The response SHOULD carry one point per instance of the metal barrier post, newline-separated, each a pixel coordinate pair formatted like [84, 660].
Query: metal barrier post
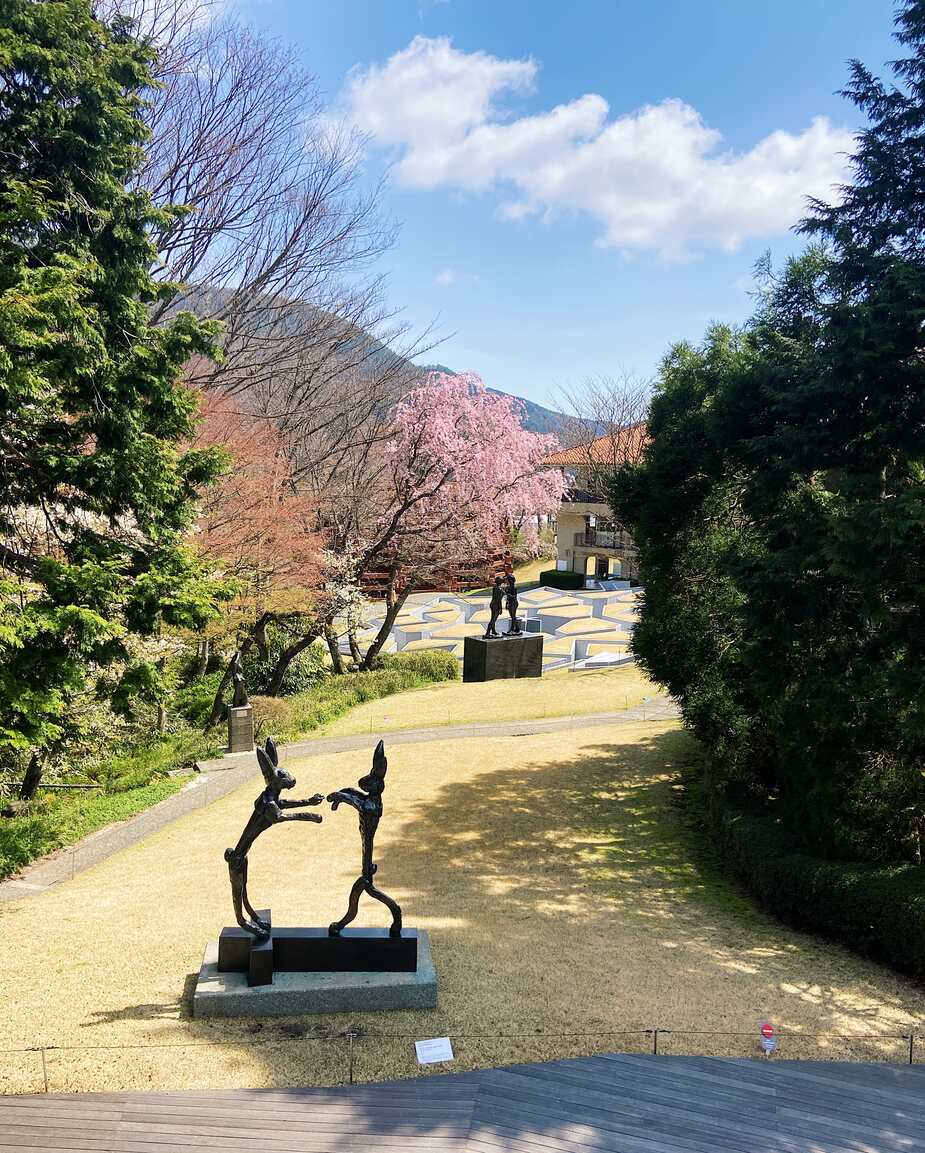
[351, 1036]
[911, 1046]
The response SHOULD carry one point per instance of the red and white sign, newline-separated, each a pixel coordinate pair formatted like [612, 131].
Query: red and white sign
[768, 1037]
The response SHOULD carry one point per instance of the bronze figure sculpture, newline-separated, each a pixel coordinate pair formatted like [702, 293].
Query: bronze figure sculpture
[497, 603]
[368, 804]
[239, 701]
[268, 810]
[512, 603]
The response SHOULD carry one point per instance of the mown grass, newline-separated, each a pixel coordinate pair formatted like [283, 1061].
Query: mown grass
[287, 718]
[128, 783]
[557, 694]
[553, 874]
[137, 779]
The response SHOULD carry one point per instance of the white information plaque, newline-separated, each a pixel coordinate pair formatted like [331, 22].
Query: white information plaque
[430, 1052]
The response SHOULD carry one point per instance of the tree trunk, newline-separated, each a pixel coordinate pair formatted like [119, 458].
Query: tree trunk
[382, 636]
[260, 638]
[334, 648]
[218, 704]
[161, 707]
[286, 657]
[30, 781]
[354, 647]
[202, 656]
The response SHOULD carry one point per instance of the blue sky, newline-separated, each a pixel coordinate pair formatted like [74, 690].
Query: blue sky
[581, 183]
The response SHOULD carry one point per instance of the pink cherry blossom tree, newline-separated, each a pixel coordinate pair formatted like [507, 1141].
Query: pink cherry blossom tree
[459, 469]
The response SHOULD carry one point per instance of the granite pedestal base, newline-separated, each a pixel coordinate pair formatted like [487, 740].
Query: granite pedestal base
[503, 657]
[241, 729]
[228, 994]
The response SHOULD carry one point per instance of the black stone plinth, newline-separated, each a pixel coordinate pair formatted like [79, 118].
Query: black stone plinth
[503, 657]
[314, 951]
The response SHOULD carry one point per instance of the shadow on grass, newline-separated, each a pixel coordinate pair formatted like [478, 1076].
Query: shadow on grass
[563, 896]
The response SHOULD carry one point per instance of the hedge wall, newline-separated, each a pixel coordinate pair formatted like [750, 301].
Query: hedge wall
[879, 911]
[556, 579]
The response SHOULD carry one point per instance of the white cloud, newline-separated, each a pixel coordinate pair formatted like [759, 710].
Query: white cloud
[445, 278]
[655, 178]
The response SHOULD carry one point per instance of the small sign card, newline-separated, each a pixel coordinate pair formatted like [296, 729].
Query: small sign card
[433, 1051]
[768, 1037]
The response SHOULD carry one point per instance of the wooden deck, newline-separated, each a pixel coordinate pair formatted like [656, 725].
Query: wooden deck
[621, 1104]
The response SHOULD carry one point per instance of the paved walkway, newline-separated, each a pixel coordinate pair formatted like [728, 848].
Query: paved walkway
[220, 776]
[619, 1103]
[657, 708]
[83, 854]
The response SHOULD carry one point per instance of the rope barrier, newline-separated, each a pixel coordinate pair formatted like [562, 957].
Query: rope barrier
[352, 1035]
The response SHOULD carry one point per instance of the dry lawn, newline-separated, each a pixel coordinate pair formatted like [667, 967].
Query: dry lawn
[560, 889]
[557, 694]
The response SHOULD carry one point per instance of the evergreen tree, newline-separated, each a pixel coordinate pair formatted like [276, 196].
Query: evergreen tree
[96, 490]
[781, 509]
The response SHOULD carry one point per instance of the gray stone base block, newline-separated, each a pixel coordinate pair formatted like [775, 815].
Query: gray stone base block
[241, 729]
[229, 995]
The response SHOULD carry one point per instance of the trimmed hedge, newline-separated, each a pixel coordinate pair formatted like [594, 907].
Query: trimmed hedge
[877, 910]
[557, 579]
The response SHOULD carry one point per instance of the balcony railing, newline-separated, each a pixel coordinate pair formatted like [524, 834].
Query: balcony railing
[599, 538]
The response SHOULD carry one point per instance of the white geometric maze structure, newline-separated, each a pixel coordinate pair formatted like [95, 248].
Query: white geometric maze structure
[588, 628]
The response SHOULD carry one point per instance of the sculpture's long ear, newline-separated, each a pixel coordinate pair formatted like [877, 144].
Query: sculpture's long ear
[266, 766]
[380, 763]
[271, 751]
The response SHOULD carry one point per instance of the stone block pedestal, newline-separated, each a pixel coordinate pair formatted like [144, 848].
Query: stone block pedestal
[308, 984]
[241, 729]
[315, 951]
[503, 657]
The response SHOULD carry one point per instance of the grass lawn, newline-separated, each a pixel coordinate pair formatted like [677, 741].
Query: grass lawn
[57, 819]
[556, 877]
[556, 694]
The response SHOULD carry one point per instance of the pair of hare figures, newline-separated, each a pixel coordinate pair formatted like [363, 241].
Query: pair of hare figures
[270, 808]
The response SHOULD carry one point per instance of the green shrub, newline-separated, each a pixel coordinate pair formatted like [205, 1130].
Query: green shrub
[562, 579]
[291, 717]
[193, 701]
[273, 717]
[430, 665]
[309, 667]
[879, 911]
[155, 757]
[54, 820]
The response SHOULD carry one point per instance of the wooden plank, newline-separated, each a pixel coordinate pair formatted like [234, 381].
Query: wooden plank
[618, 1103]
[703, 1133]
[628, 1137]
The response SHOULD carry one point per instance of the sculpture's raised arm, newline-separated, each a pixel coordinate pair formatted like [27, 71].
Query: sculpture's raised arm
[347, 796]
[315, 800]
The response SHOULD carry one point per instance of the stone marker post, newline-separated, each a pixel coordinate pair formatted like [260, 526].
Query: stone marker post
[241, 729]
